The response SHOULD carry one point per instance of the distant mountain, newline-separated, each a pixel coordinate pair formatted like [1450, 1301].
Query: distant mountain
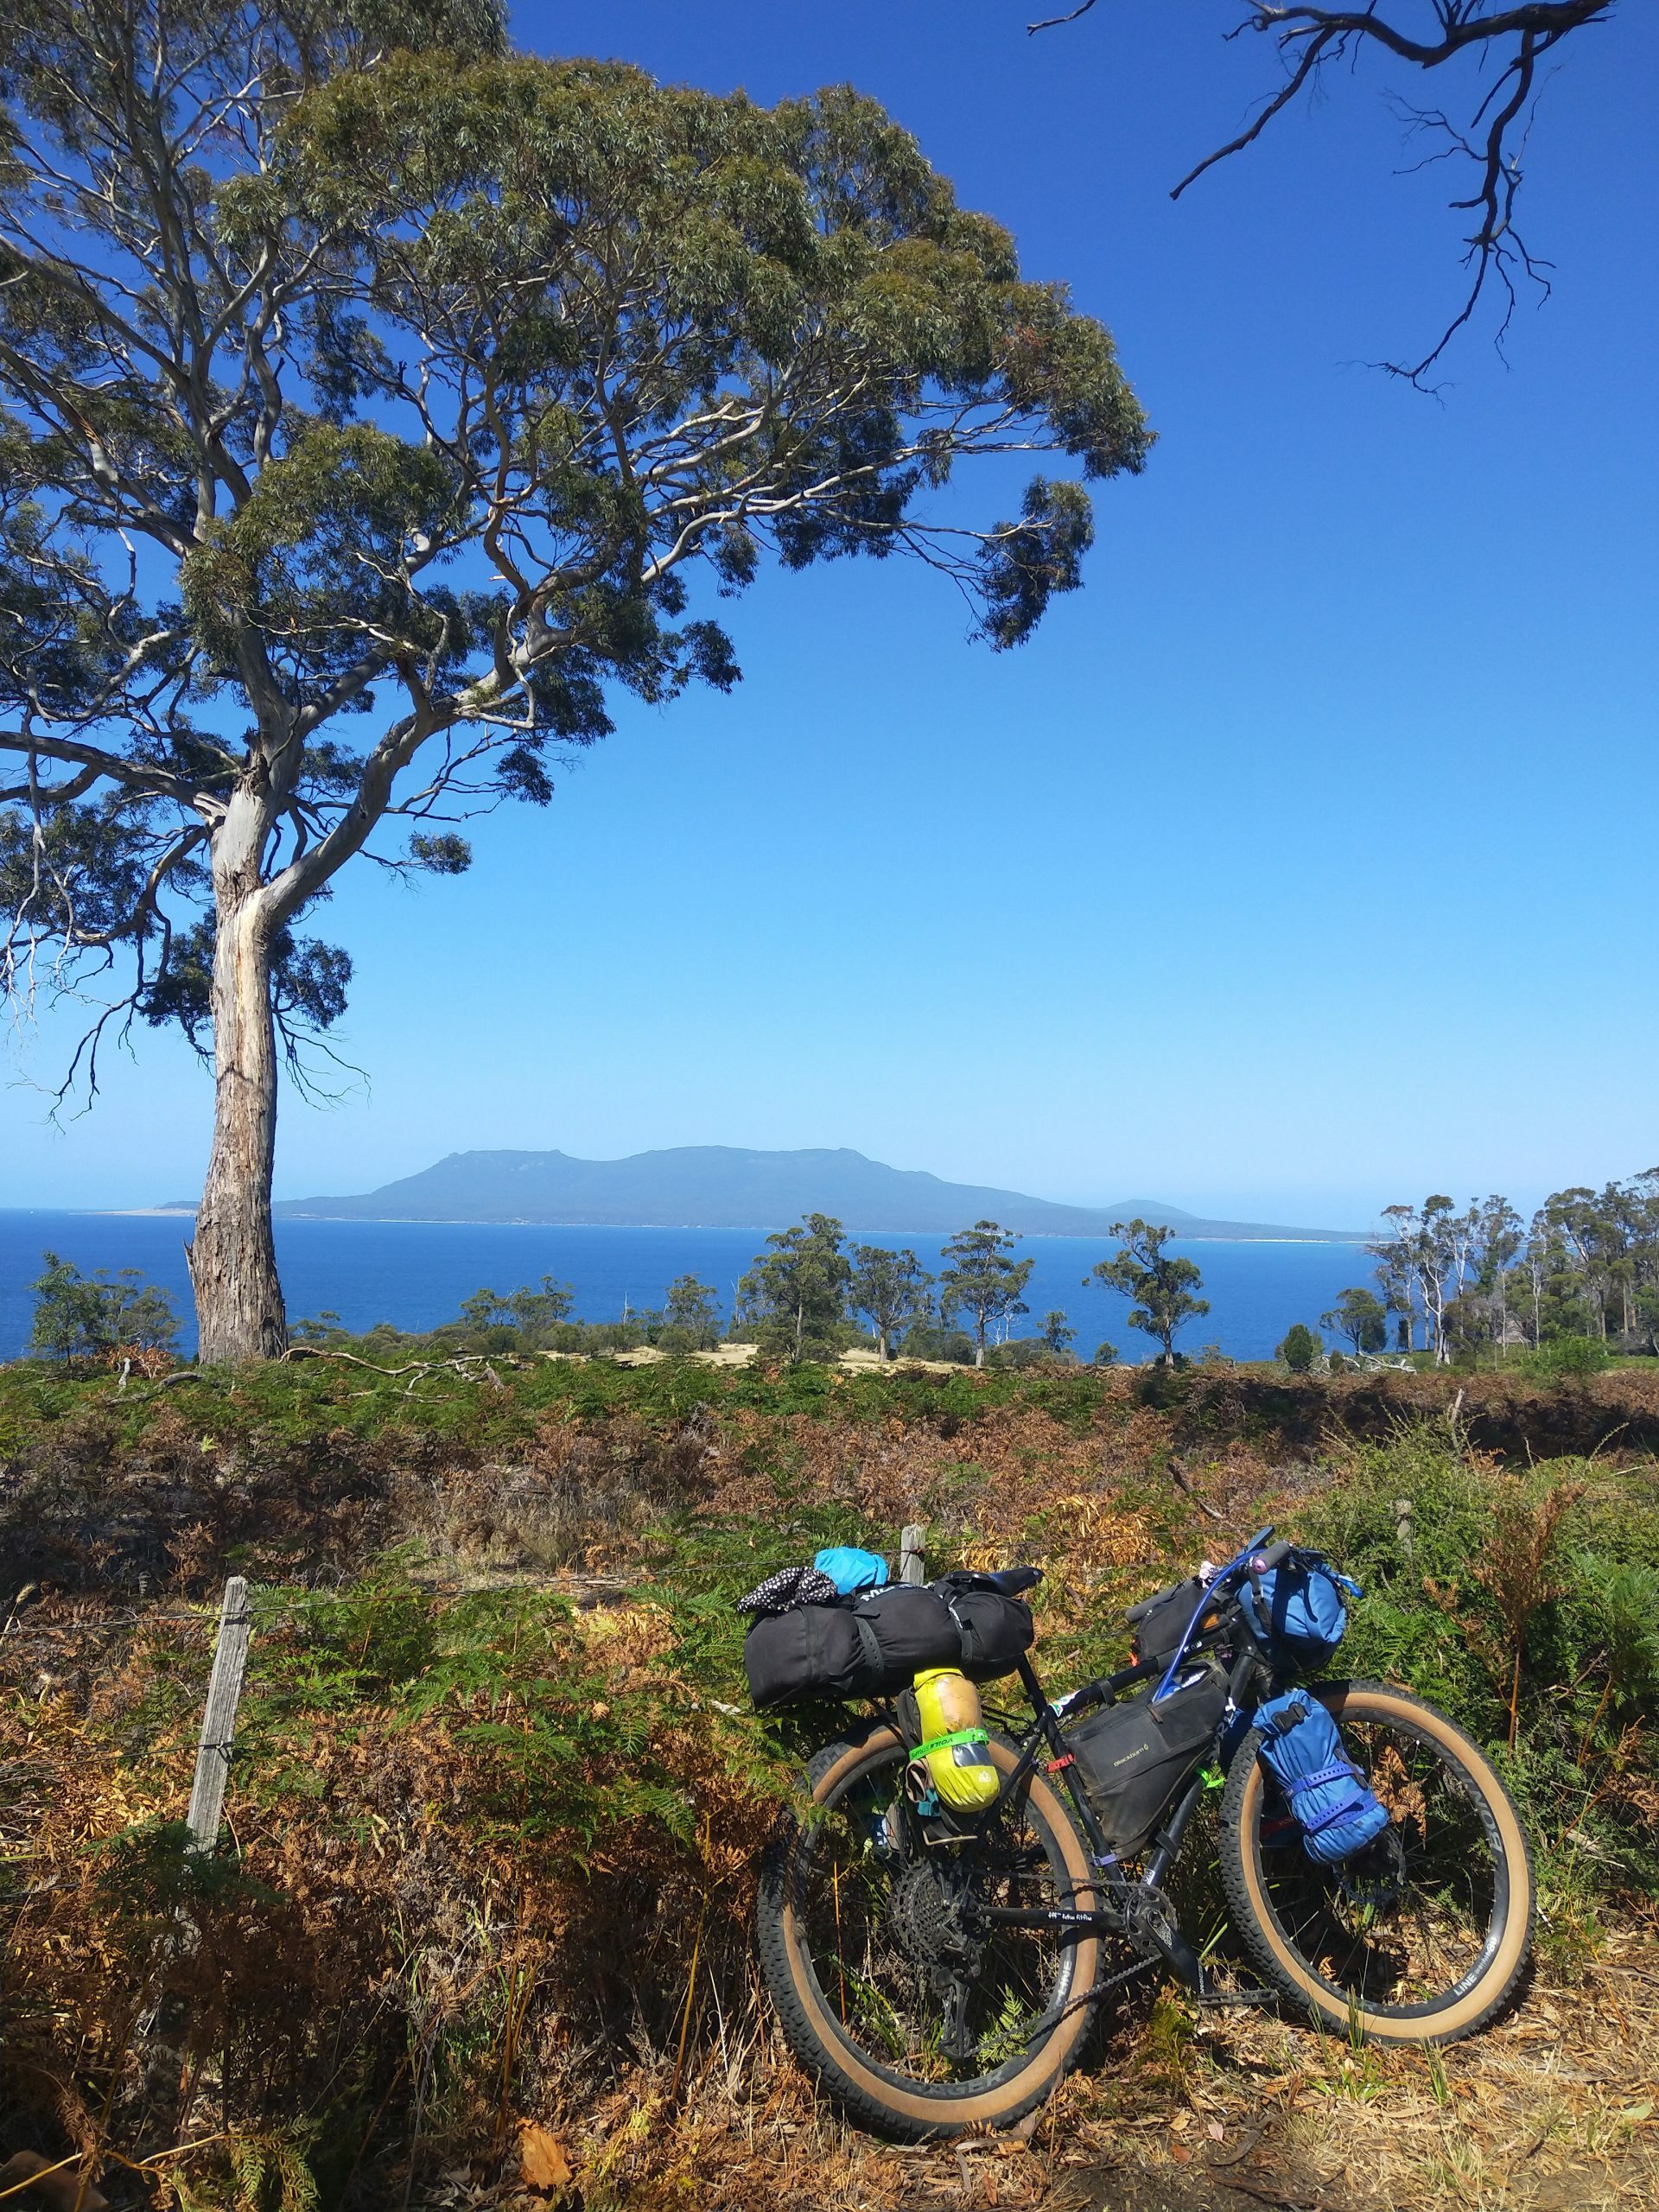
[720, 1187]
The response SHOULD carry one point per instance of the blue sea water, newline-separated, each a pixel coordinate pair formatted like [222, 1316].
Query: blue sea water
[416, 1273]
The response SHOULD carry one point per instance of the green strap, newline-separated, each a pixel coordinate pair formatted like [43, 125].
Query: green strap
[943, 1742]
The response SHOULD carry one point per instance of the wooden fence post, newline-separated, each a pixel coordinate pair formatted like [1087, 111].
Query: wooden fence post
[219, 1721]
[913, 1553]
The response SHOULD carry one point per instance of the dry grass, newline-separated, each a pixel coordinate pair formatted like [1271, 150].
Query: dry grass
[510, 1999]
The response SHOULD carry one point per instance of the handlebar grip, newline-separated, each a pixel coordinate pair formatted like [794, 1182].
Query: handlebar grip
[1260, 1562]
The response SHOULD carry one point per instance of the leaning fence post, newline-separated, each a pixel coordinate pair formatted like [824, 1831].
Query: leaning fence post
[913, 1553]
[219, 1721]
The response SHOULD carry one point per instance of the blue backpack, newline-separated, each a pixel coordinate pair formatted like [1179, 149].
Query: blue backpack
[1300, 1747]
[1298, 1607]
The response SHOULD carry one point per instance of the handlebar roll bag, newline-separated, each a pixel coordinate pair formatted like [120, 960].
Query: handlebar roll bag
[1298, 1607]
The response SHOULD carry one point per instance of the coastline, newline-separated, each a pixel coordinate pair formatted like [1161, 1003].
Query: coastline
[655, 1228]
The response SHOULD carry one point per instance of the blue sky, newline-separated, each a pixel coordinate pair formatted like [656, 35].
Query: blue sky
[1301, 862]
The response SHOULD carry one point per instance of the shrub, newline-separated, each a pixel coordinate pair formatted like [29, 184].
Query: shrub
[1562, 1359]
[78, 1316]
[1300, 1348]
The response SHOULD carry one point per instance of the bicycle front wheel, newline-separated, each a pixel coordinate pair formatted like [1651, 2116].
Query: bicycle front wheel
[916, 2008]
[1421, 1937]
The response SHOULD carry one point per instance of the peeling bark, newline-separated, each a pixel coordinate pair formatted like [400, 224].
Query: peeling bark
[239, 1312]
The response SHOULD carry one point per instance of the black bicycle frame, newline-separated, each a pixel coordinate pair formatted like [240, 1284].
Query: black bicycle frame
[1252, 1663]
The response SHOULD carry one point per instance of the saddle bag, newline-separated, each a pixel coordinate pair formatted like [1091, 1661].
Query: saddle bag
[1134, 1758]
[994, 1630]
[1302, 1749]
[869, 1646]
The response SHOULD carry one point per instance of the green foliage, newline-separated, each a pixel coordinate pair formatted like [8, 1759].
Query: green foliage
[691, 1314]
[930, 1340]
[1055, 1334]
[1496, 1595]
[1301, 1349]
[533, 1314]
[1567, 1358]
[78, 1316]
[1359, 1315]
[892, 1289]
[794, 1297]
[417, 210]
[982, 1280]
[1166, 1289]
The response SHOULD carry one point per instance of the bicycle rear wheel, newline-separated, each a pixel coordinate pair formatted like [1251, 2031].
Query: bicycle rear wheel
[1422, 1936]
[916, 2013]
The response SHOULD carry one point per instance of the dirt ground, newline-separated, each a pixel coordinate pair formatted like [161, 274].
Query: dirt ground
[1556, 2109]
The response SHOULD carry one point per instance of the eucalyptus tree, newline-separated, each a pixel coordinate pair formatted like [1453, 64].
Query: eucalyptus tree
[891, 1290]
[372, 401]
[794, 1296]
[982, 1279]
[1166, 1289]
[1359, 1315]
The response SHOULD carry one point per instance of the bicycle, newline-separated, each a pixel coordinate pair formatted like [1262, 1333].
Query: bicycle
[935, 1973]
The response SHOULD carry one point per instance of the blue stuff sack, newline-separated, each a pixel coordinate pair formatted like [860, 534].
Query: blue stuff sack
[1302, 1749]
[850, 1569]
[1298, 1607]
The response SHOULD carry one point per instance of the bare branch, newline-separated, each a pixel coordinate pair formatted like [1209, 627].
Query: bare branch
[1307, 37]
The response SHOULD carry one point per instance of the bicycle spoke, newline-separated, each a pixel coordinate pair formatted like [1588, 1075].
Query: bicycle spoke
[915, 1978]
[1409, 1919]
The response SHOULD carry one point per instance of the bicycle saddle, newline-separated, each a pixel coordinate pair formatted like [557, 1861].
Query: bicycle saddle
[1007, 1582]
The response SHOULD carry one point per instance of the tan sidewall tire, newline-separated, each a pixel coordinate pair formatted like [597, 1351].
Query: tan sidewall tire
[912, 2114]
[1242, 1878]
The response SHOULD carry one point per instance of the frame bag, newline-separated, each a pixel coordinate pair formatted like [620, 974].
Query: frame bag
[1132, 1758]
[869, 1646]
[1302, 1750]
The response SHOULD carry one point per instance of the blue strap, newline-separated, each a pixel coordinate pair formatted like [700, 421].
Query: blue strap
[1321, 1776]
[1345, 1811]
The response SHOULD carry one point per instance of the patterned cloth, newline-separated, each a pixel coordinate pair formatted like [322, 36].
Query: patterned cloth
[791, 1585]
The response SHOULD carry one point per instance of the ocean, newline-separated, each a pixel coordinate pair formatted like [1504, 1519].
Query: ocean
[416, 1273]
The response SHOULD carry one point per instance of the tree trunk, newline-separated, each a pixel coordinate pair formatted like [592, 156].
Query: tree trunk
[239, 1312]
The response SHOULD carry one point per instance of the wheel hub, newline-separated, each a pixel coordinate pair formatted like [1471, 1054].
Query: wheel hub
[1374, 1882]
[926, 1918]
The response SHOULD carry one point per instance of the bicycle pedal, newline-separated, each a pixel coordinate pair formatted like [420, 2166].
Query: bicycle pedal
[1217, 1997]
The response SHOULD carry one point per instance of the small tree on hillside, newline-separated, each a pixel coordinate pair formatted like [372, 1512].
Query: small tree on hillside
[1055, 1335]
[692, 1308]
[1359, 1315]
[533, 1312]
[78, 1316]
[795, 1293]
[1166, 1289]
[891, 1290]
[1301, 1349]
[370, 397]
[984, 1280]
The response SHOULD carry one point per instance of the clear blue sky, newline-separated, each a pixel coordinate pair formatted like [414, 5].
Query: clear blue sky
[1303, 862]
